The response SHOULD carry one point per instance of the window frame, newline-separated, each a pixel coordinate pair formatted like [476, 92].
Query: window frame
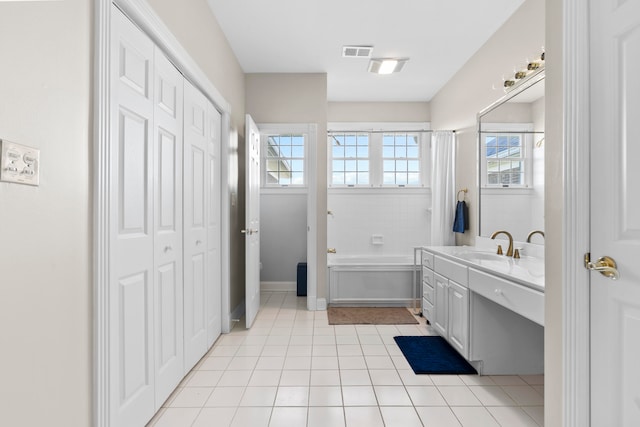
[525, 131]
[376, 132]
[270, 130]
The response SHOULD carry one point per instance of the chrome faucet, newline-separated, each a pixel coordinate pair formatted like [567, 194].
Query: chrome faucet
[510, 249]
[530, 235]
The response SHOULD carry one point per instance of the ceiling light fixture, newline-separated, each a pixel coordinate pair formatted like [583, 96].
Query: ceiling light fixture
[386, 65]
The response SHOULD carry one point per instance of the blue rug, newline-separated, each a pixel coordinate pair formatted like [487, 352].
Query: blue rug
[433, 355]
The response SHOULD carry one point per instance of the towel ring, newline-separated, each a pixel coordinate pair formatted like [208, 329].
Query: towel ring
[464, 190]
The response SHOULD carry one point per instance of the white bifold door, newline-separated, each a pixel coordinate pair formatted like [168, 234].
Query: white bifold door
[164, 226]
[202, 322]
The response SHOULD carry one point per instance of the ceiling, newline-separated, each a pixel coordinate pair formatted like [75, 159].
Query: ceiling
[306, 36]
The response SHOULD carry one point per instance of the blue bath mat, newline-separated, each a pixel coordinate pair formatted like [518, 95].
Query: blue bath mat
[433, 355]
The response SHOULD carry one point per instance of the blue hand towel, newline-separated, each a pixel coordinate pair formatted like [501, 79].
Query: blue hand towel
[461, 221]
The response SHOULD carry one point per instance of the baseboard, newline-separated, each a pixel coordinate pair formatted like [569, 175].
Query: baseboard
[321, 304]
[278, 286]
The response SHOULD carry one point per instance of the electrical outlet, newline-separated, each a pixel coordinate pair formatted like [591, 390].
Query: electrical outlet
[19, 164]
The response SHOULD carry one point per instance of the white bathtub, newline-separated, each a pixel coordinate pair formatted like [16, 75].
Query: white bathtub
[372, 281]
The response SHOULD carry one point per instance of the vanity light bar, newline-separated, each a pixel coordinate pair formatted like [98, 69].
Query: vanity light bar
[533, 68]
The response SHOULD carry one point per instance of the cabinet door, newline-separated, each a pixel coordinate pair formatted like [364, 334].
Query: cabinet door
[458, 333]
[440, 306]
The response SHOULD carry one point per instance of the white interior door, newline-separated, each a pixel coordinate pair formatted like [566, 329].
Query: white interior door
[195, 224]
[213, 292]
[168, 302]
[252, 221]
[131, 269]
[615, 211]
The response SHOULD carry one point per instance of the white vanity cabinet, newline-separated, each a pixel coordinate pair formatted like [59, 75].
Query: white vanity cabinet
[490, 315]
[446, 298]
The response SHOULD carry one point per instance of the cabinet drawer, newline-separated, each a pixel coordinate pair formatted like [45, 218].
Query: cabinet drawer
[427, 310]
[451, 270]
[427, 292]
[517, 298]
[427, 259]
[427, 276]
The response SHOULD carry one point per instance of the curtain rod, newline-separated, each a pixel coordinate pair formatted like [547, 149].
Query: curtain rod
[330, 131]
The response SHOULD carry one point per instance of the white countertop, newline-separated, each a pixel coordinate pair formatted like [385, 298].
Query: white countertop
[527, 271]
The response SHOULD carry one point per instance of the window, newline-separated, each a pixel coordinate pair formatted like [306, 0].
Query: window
[284, 160]
[350, 159]
[373, 159]
[505, 160]
[401, 159]
[506, 155]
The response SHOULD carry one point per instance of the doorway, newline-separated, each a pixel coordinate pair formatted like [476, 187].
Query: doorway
[287, 204]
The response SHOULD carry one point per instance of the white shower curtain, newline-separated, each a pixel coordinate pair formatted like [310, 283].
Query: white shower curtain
[442, 188]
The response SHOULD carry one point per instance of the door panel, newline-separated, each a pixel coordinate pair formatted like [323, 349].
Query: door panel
[252, 221]
[134, 338]
[441, 306]
[459, 317]
[132, 379]
[195, 233]
[615, 211]
[168, 302]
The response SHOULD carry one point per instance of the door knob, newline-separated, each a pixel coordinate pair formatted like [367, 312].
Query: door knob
[605, 265]
[248, 232]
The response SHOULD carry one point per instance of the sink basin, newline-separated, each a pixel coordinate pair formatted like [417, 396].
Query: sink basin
[534, 266]
[482, 256]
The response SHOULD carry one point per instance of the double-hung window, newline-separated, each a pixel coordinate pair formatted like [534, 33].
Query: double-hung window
[401, 159]
[350, 159]
[506, 156]
[373, 159]
[284, 160]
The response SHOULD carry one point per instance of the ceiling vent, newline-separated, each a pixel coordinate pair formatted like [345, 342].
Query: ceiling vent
[357, 51]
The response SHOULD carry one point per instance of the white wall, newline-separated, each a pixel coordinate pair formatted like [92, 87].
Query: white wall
[379, 112]
[283, 228]
[46, 250]
[402, 218]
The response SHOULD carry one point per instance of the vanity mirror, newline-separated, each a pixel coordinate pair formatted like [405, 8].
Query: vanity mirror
[511, 162]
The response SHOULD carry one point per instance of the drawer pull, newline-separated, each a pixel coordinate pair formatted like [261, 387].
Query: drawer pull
[498, 291]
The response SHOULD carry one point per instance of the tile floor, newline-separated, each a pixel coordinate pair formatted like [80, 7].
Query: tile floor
[293, 369]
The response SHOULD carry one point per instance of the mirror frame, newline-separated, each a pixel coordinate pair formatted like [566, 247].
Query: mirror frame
[525, 84]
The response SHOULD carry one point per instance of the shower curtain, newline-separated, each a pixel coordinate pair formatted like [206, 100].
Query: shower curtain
[442, 188]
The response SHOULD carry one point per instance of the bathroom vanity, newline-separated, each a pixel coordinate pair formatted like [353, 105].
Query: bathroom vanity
[489, 307]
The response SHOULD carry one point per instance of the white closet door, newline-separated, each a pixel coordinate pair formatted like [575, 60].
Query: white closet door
[195, 219]
[214, 287]
[131, 226]
[168, 302]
